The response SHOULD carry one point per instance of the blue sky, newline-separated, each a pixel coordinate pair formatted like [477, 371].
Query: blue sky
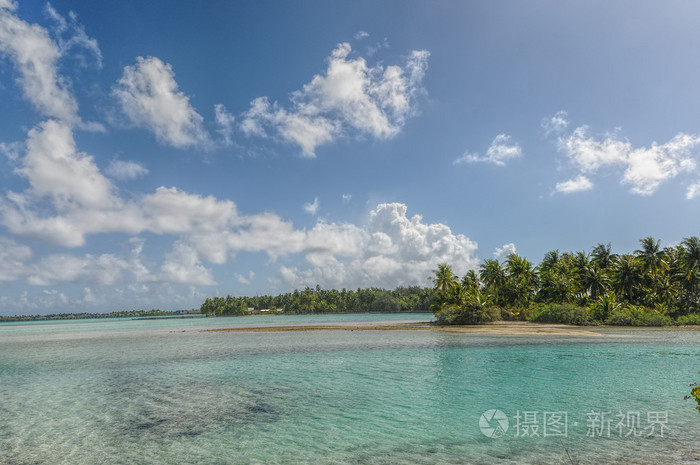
[155, 154]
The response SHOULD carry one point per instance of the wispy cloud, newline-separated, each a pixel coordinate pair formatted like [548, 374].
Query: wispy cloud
[577, 184]
[312, 207]
[225, 121]
[247, 280]
[76, 36]
[359, 35]
[125, 170]
[500, 152]
[555, 124]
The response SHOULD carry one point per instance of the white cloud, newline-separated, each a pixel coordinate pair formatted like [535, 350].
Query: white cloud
[372, 49]
[68, 198]
[77, 36]
[361, 35]
[105, 269]
[312, 208]
[11, 150]
[12, 259]
[125, 170]
[55, 168]
[577, 184]
[390, 250]
[349, 98]
[225, 121]
[150, 98]
[347, 198]
[503, 252]
[182, 265]
[645, 168]
[693, 190]
[555, 124]
[500, 152]
[35, 55]
[307, 131]
[247, 280]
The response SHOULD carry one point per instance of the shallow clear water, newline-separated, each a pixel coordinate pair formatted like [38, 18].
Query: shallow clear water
[164, 392]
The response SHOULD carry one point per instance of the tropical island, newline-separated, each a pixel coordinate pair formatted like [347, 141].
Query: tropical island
[649, 287]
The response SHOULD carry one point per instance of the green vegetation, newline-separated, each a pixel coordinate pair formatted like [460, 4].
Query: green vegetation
[402, 299]
[651, 287]
[76, 316]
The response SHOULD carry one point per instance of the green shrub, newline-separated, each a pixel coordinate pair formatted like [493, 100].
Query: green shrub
[467, 315]
[513, 314]
[638, 316]
[560, 313]
[691, 319]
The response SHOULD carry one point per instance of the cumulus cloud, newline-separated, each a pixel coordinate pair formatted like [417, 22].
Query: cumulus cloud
[312, 207]
[502, 252]
[68, 198]
[55, 168]
[390, 250]
[125, 170]
[182, 265]
[34, 55]
[644, 169]
[500, 152]
[577, 184]
[105, 269]
[150, 98]
[350, 98]
[306, 130]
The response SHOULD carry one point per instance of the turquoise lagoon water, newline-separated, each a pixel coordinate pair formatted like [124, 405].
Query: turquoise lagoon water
[127, 391]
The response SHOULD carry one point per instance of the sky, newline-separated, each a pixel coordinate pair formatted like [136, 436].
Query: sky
[153, 154]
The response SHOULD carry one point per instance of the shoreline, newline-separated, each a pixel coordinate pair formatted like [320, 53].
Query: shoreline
[515, 328]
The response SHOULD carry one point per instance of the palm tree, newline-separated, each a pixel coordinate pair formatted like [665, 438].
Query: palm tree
[493, 277]
[521, 281]
[470, 281]
[445, 281]
[492, 274]
[555, 287]
[594, 280]
[689, 272]
[550, 260]
[601, 255]
[626, 276]
[651, 256]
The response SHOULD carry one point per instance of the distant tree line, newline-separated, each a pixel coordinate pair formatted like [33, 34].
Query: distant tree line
[117, 314]
[652, 286]
[317, 300]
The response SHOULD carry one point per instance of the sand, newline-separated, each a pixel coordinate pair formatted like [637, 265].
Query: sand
[513, 328]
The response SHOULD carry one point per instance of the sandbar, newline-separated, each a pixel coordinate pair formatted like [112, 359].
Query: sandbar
[511, 328]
